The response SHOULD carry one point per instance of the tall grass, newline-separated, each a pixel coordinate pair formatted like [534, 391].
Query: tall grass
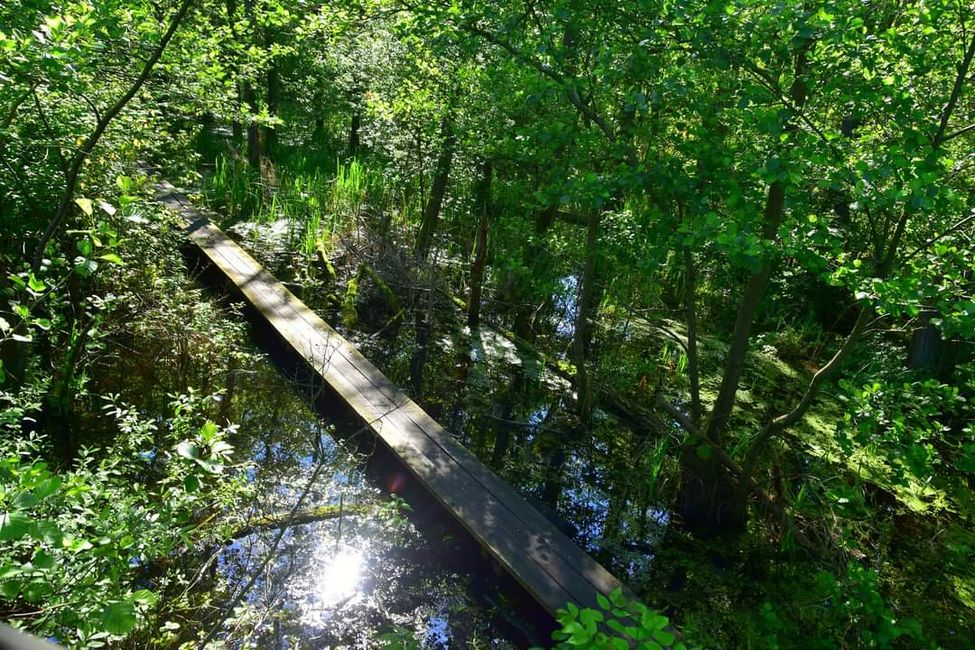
[354, 182]
[314, 203]
[230, 189]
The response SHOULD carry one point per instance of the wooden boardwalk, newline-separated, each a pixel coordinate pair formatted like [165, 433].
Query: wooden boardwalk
[553, 569]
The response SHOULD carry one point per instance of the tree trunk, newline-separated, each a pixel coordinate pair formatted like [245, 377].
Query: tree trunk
[250, 100]
[585, 318]
[253, 130]
[354, 132]
[236, 128]
[710, 501]
[431, 212]
[926, 347]
[273, 97]
[690, 301]
[482, 203]
[552, 487]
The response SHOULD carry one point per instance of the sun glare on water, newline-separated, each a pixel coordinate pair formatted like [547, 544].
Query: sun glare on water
[340, 578]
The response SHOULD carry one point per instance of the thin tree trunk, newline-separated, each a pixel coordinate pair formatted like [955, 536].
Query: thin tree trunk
[554, 469]
[690, 300]
[299, 518]
[888, 257]
[254, 152]
[273, 97]
[710, 500]
[482, 200]
[354, 132]
[431, 212]
[253, 130]
[237, 129]
[747, 308]
[585, 317]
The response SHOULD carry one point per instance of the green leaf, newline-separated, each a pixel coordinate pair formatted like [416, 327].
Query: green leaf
[188, 449]
[10, 589]
[603, 601]
[208, 431]
[111, 257]
[13, 526]
[47, 487]
[145, 597]
[191, 483]
[588, 616]
[43, 560]
[85, 205]
[37, 589]
[663, 637]
[49, 532]
[25, 501]
[119, 618]
[37, 286]
[79, 545]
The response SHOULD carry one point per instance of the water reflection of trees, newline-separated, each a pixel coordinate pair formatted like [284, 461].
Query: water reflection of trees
[593, 478]
[347, 578]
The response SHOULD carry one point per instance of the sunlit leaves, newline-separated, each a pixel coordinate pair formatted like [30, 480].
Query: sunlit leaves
[119, 618]
[73, 540]
[621, 624]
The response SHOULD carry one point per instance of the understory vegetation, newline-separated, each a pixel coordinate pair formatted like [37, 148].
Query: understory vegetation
[695, 277]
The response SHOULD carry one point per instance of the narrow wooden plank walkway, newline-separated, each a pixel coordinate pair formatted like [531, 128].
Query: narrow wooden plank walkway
[544, 561]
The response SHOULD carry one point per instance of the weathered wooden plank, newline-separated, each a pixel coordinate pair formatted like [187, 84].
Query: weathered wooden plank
[549, 565]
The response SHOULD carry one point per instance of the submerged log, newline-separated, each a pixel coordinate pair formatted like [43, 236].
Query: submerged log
[287, 519]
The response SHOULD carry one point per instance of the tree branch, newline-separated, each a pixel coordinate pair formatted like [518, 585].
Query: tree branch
[956, 89]
[572, 90]
[959, 132]
[71, 181]
[786, 420]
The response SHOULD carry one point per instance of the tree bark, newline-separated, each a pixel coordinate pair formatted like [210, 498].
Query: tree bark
[482, 203]
[585, 318]
[431, 212]
[354, 132]
[273, 97]
[690, 300]
[254, 152]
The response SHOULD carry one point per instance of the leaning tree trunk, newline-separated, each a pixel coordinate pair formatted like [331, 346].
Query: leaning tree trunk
[431, 212]
[81, 155]
[710, 499]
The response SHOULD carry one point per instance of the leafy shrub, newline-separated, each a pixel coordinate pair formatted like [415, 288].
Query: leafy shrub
[632, 623]
[78, 545]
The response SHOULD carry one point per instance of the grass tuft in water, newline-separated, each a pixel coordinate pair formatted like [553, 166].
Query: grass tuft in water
[314, 203]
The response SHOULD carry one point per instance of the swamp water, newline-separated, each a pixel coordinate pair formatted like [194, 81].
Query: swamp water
[507, 404]
[336, 547]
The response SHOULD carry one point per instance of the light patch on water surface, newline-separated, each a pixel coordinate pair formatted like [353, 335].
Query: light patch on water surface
[341, 578]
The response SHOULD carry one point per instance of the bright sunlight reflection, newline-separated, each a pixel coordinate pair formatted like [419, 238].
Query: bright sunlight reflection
[340, 577]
